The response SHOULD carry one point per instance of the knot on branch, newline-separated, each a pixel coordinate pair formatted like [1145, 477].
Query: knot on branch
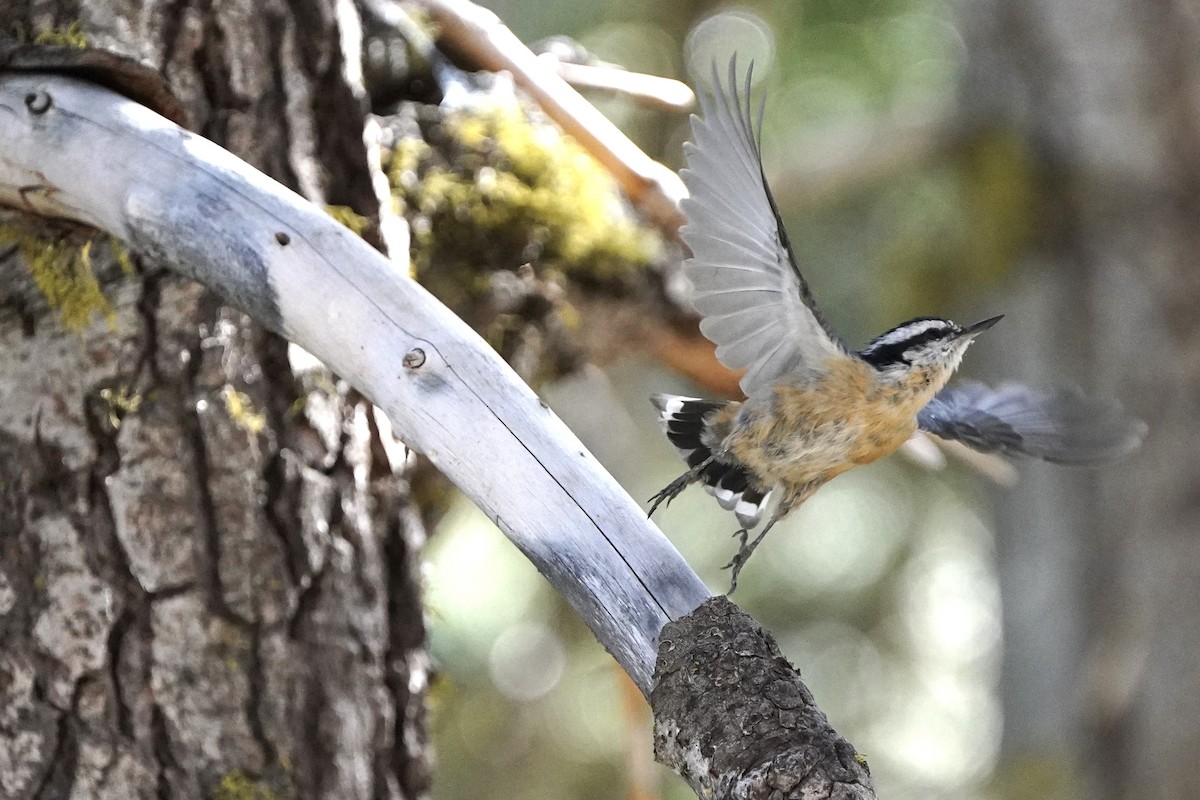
[733, 718]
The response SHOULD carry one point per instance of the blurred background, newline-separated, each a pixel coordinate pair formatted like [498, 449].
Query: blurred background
[1032, 633]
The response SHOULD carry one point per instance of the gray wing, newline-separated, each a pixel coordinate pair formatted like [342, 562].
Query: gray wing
[1062, 426]
[754, 302]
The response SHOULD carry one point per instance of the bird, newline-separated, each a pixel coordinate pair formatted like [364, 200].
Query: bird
[814, 407]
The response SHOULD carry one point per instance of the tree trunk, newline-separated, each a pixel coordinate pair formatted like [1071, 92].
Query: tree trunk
[1103, 654]
[208, 563]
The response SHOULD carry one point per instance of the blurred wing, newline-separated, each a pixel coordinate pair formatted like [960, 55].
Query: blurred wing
[1065, 427]
[755, 305]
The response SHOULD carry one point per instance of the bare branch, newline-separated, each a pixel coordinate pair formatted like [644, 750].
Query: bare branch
[665, 93]
[185, 201]
[182, 199]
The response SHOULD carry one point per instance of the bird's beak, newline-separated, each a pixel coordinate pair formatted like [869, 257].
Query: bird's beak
[979, 327]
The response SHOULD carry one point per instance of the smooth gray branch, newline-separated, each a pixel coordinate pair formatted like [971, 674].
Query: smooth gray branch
[75, 150]
[731, 714]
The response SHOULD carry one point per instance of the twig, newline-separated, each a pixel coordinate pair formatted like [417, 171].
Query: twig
[665, 93]
[481, 37]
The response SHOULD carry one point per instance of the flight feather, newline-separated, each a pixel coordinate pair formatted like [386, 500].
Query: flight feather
[755, 305]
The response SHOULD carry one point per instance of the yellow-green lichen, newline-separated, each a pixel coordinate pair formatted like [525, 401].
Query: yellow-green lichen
[505, 191]
[121, 403]
[297, 407]
[240, 786]
[62, 271]
[357, 223]
[241, 411]
[121, 254]
[70, 36]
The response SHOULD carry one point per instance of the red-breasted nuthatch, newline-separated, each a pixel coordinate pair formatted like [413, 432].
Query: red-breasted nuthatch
[814, 407]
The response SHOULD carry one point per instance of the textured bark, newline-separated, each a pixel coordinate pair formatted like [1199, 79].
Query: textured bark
[1101, 572]
[207, 563]
[733, 718]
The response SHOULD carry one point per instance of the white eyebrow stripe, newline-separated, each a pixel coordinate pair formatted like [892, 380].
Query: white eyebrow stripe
[906, 332]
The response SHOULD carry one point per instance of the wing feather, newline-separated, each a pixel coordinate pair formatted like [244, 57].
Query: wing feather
[1063, 426]
[733, 278]
[756, 306]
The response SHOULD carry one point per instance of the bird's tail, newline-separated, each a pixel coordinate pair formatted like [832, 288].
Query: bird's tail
[685, 420]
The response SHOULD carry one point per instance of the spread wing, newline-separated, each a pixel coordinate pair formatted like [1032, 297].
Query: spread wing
[1063, 426]
[755, 304]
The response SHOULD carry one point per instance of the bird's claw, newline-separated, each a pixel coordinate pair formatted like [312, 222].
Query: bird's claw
[745, 550]
[669, 492]
[739, 559]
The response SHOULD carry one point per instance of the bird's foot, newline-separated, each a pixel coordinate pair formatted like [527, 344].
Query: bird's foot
[741, 535]
[736, 563]
[670, 492]
[745, 550]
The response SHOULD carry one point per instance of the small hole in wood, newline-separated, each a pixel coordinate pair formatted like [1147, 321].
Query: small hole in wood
[38, 102]
[413, 358]
[283, 238]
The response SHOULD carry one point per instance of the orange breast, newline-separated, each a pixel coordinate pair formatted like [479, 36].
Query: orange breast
[813, 431]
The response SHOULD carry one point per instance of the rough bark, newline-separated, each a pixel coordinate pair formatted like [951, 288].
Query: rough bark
[733, 718]
[207, 563]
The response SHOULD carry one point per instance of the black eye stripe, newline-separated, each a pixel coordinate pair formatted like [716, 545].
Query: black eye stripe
[888, 354]
[881, 355]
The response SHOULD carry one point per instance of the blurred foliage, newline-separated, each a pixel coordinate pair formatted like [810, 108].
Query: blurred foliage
[958, 228]
[881, 586]
[1047, 777]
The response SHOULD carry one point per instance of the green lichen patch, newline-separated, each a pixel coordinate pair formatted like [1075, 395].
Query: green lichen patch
[346, 215]
[241, 411]
[70, 36]
[123, 258]
[121, 402]
[498, 190]
[240, 786]
[62, 271]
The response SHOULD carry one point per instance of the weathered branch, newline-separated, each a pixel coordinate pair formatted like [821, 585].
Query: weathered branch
[74, 150]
